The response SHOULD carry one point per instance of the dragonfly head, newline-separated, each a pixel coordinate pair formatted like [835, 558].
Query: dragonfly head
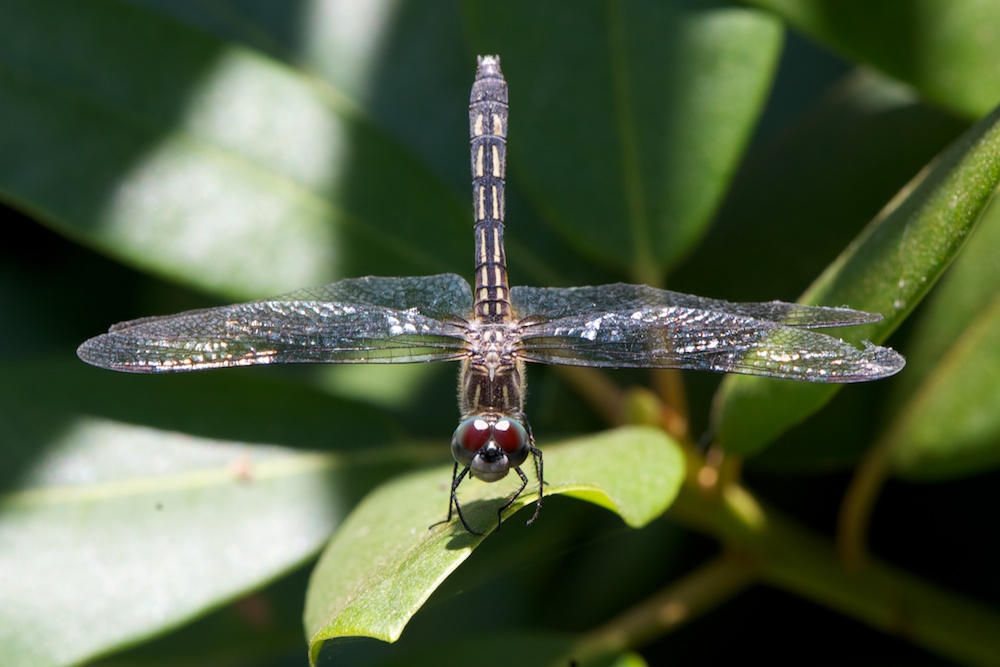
[490, 445]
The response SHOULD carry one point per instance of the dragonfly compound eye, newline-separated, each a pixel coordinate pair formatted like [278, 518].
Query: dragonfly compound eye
[470, 436]
[512, 438]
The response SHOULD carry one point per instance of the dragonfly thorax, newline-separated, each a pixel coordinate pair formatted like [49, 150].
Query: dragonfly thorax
[492, 379]
[493, 347]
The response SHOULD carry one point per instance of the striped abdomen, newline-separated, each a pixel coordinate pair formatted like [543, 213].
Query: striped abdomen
[488, 134]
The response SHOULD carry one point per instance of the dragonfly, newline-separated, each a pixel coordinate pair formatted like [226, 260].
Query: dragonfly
[494, 330]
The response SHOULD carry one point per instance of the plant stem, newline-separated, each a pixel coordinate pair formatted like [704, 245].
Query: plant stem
[789, 556]
[699, 591]
[597, 389]
[859, 500]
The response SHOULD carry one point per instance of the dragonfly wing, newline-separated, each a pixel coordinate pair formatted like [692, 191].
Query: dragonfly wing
[553, 303]
[701, 339]
[360, 320]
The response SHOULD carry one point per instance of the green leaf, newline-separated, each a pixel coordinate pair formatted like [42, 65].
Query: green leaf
[90, 93]
[240, 175]
[866, 135]
[949, 420]
[887, 270]
[506, 647]
[202, 161]
[656, 110]
[384, 563]
[787, 216]
[962, 298]
[115, 529]
[945, 49]
[950, 428]
[260, 628]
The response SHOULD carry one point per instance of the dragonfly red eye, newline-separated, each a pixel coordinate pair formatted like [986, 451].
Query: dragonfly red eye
[509, 435]
[472, 434]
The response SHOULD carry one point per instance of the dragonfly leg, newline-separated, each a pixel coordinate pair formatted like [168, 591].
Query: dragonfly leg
[454, 507]
[456, 479]
[520, 490]
[536, 454]
[454, 501]
[452, 498]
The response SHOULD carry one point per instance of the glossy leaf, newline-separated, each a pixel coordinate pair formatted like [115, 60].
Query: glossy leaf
[202, 161]
[285, 183]
[887, 270]
[944, 49]
[526, 648]
[865, 135]
[114, 529]
[786, 215]
[655, 112]
[383, 564]
[949, 420]
[381, 88]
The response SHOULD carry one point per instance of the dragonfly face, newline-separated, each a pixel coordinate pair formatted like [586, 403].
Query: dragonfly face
[493, 330]
[490, 445]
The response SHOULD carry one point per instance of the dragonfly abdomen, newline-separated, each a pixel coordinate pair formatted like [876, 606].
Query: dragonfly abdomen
[488, 142]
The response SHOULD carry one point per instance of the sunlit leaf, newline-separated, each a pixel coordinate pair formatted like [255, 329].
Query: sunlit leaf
[115, 530]
[203, 161]
[945, 49]
[384, 562]
[655, 118]
[887, 270]
[949, 420]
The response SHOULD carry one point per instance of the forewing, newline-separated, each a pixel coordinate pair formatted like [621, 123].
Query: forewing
[684, 335]
[538, 303]
[360, 320]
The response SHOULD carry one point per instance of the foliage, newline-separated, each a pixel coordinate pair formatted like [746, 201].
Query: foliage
[158, 156]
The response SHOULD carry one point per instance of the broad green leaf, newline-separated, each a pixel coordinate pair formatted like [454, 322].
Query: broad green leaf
[404, 63]
[787, 215]
[630, 659]
[242, 175]
[887, 270]
[253, 631]
[628, 120]
[384, 562]
[965, 294]
[242, 405]
[950, 428]
[116, 526]
[202, 161]
[945, 49]
[949, 420]
[522, 648]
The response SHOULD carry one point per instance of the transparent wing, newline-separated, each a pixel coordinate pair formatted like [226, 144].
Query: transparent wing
[634, 326]
[553, 303]
[360, 320]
